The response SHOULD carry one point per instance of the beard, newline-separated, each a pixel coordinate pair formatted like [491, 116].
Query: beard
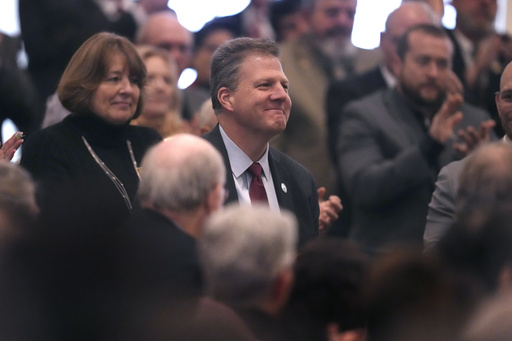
[418, 100]
[335, 48]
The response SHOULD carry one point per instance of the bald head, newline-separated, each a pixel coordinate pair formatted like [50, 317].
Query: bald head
[409, 14]
[504, 100]
[179, 173]
[163, 30]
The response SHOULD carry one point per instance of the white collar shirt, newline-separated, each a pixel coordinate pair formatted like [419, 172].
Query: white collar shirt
[240, 162]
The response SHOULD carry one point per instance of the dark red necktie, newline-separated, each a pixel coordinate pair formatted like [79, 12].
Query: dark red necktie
[257, 190]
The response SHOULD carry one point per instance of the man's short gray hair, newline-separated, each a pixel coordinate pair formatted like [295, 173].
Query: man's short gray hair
[227, 59]
[243, 249]
[180, 180]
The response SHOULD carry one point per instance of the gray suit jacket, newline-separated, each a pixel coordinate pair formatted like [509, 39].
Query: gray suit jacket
[388, 165]
[441, 210]
[295, 187]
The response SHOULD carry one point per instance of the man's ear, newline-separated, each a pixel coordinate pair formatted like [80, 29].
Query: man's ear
[396, 64]
[225, 98]
[214, 200]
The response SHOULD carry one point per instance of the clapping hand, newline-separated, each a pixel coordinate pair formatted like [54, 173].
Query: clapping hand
[10, 146]
[329, 210]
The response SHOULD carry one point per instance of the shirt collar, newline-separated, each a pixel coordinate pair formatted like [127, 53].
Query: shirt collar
[388, 76]
[239, 161]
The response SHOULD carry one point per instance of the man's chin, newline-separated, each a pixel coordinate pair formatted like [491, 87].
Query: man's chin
[432, 98]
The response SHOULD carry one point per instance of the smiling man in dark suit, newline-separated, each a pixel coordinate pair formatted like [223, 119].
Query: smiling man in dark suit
[250, 98]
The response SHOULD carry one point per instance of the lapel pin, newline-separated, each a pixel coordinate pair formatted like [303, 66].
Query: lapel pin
[283, 187]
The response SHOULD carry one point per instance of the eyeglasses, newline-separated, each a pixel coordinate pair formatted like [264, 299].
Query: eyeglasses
[505, 96]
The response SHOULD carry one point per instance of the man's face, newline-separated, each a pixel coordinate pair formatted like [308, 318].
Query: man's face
[168, 34]
[333, 19]
[260, 103]
[203, 55]
[423, 72]
[475, 16]
[292, 25]
[504, 100]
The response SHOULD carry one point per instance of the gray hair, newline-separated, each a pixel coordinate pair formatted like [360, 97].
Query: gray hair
[243, 249]
[485, 181]
[228, 57]
[179, 173]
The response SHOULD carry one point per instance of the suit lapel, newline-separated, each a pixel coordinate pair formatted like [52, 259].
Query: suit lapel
[406, 128]
[215, 138]
[281, 181]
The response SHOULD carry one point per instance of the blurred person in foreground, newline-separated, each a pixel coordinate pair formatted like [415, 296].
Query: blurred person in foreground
[87, 166]
[18, 207]
[411, 297]
[247, 254]
[182, 184]
[325, 302]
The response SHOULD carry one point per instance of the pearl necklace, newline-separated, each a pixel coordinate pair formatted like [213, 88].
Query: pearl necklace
[119, 185]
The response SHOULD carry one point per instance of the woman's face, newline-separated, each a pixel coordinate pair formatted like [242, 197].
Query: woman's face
[159, 87]
[117, 96]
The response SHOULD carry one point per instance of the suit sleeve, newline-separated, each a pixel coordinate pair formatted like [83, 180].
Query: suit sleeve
[441, 210]
[374, 169]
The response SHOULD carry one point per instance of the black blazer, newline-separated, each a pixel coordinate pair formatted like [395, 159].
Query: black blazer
[295, 187]
[166, 258]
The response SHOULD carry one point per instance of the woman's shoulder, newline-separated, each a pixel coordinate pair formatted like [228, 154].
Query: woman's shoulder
[143, 134]
[56, 132]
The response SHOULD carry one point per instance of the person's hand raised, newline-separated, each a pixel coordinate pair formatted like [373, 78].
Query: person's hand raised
[11, 146]
[445, 120]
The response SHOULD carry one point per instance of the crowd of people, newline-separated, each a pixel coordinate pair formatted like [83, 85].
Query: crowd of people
[300, 189]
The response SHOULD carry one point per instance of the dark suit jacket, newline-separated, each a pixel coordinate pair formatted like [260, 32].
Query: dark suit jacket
[166, 257]
[389, 164]
[295, 187]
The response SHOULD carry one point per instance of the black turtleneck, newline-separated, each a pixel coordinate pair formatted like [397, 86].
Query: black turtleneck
[74, 189]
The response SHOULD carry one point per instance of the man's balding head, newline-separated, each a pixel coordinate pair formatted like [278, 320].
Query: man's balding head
[179, 173]
[163, 30]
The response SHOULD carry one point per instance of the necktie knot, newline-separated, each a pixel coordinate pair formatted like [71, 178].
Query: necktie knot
[255, 169]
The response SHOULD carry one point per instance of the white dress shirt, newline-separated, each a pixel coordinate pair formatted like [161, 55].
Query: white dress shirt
[240, 162]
